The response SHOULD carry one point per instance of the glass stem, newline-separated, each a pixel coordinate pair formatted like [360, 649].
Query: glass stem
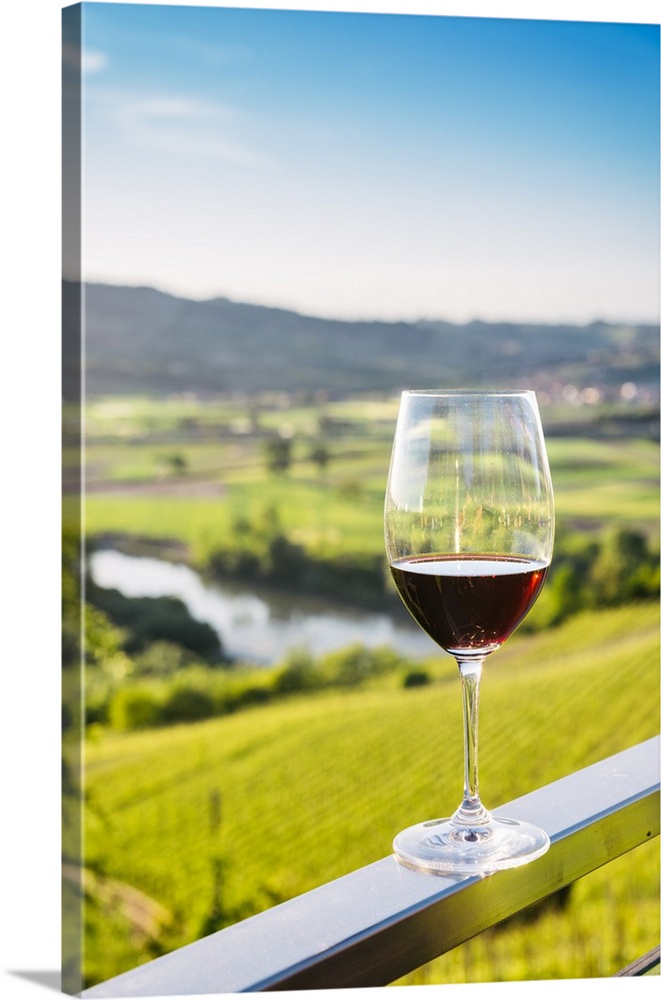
[471, 812]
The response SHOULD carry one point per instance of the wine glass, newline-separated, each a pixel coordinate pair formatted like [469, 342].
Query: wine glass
[469, 534]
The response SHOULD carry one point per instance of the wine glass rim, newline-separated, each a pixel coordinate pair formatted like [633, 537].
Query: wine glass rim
[468, 392]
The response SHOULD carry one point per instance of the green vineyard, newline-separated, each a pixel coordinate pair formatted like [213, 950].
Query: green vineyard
[193, 827]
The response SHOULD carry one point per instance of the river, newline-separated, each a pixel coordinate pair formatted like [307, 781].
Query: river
[257, 627]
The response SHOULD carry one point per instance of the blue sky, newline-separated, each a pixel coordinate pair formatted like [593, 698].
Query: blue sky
[374, 165]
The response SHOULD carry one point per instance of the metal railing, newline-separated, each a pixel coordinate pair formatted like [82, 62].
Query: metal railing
[376, 924]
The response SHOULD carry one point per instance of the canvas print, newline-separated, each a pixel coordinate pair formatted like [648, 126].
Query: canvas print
[276, 223]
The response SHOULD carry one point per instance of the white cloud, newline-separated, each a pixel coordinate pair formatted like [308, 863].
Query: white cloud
[182, 125]
[93, 62]
[144, 111]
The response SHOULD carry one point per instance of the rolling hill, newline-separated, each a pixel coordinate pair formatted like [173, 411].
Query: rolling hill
[140, 340]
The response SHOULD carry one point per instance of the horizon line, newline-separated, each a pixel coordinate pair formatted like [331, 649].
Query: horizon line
[362, 319]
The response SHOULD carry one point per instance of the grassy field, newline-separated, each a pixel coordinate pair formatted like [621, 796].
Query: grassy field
[198, 825]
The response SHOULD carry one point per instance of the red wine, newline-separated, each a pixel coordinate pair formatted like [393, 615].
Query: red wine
[468, 602]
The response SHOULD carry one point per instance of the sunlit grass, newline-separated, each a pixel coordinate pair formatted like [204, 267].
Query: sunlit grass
[316, 786]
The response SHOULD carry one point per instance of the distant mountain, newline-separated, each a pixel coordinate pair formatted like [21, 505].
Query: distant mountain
[139, 340]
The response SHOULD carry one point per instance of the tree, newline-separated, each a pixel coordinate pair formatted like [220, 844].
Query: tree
[278, 455]
[320, 455]
[622, 557]
[172, 464]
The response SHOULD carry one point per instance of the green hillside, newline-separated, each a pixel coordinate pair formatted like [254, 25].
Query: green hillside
[196, 826]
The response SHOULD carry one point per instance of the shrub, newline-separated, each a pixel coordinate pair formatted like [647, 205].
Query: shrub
[186, 703]
[622, 566]
[355, 664]
[135, 707]
[161, 659]
[252, 694]
[416, 678]
[298, 673]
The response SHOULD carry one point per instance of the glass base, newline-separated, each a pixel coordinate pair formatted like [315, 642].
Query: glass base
[442, 847]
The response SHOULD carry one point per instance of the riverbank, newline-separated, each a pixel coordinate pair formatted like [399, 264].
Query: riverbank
[256, 624]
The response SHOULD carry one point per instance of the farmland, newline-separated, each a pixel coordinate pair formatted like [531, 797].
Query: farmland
[210, 821]
[186, 469]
